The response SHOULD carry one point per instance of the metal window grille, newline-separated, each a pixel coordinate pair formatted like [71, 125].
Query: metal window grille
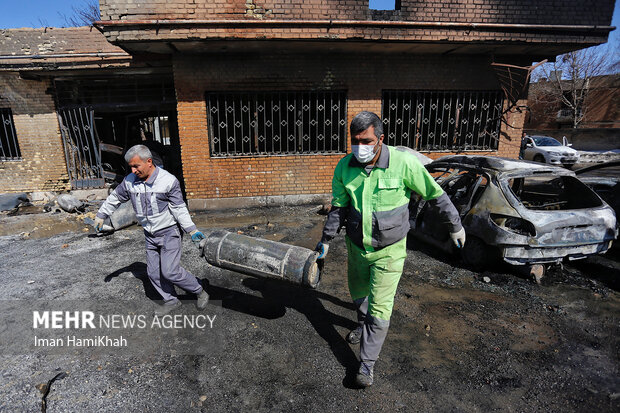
[9, 147]
[82, 152]
[277, 123]
[442, 120]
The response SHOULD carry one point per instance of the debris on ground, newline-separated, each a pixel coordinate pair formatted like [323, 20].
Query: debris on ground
[12, 201]
[505, 346]
[45, 389]
[69, 203]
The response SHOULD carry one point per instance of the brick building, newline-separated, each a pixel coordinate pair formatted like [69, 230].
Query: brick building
[264, 90]
[70, 101]
[598, 117]
[32, 155]
[601, 108]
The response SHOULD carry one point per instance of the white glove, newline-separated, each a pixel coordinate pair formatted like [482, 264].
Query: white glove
[458, 238]
[98, 224]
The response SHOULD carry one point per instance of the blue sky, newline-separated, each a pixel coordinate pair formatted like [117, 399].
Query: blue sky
[31, 13]
[38, 13]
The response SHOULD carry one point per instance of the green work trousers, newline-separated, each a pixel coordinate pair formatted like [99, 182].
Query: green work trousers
[376, 275]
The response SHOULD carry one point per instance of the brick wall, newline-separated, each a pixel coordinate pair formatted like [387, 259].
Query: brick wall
[361, 75]
[586, 12]
[330, 20]
[42, 167]
[335, 32]
[601, 107]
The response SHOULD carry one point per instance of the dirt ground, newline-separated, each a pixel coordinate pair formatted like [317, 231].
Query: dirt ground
[456, 342]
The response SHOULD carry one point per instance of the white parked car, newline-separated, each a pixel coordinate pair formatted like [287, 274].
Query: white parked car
[545, 149]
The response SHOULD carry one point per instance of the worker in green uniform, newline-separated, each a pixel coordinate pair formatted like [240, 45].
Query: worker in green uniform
[371, 189]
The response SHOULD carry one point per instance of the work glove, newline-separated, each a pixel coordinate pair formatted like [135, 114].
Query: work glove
[322, 249]
[197, 236]
[458, 238]
[98, 224]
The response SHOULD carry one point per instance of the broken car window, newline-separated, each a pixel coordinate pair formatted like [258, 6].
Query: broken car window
[552, 193]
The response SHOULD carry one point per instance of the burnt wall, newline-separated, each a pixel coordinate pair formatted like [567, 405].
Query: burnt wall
[42, 166]
[362, 78]
[586, 12]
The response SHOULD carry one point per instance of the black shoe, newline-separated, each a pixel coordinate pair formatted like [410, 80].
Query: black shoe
[166, 308]
[364, 377]
[354, 336]
[202, 299]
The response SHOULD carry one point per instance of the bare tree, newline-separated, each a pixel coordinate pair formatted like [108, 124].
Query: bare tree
[83, 15]
[569, 79]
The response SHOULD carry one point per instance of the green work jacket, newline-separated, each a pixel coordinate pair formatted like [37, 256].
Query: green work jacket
[378, 197]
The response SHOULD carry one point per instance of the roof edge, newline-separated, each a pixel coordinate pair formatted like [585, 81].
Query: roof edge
[352, 23]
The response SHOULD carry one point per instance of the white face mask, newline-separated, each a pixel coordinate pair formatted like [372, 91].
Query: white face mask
[364, 153]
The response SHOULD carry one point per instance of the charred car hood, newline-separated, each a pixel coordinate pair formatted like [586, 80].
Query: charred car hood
[572, 227]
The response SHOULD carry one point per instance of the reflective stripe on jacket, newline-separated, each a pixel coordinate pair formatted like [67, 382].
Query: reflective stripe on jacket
[378, 199]
[158, 201]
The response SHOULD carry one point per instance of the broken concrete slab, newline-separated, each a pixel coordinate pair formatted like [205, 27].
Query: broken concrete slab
[90, 194]
[69, 203]
[43, 196]
[12, 201]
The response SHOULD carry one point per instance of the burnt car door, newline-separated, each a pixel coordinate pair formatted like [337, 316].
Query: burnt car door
[463, 186]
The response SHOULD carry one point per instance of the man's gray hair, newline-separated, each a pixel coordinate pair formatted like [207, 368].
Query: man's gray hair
[365, 120]
[140, 151]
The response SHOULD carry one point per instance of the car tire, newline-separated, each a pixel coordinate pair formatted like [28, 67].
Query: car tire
[539, 158]
[477, 254]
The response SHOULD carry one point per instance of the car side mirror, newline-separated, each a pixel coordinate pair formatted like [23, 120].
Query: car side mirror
[528, 145]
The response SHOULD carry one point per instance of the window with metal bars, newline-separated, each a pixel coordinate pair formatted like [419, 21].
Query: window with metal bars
[442, 120]
[9, 147]
[277, 123]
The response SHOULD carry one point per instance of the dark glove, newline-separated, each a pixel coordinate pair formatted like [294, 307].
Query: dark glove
[322, 249]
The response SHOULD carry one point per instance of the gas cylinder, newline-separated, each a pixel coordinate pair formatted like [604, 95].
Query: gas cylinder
[257, 256]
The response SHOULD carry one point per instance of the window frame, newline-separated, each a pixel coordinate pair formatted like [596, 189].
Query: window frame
[265, 146]
[8, 136]
[453, 128]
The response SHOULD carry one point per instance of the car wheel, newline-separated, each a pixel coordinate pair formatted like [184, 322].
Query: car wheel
[477, 254]
[539, 158]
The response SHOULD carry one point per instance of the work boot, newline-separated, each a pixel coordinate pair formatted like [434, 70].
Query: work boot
[364, 377]
[355, 336]
[166, 308]
[202, 299]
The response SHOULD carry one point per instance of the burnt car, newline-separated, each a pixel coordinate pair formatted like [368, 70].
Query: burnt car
[523, 212]
[604, 179]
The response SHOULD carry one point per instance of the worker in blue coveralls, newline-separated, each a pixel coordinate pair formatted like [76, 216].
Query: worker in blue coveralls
[371, 189]
[157, 200]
